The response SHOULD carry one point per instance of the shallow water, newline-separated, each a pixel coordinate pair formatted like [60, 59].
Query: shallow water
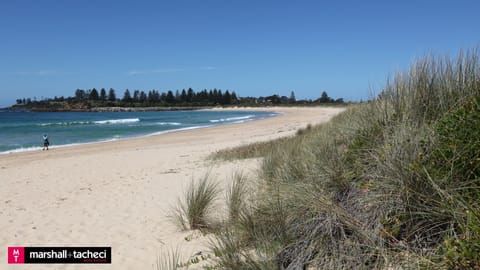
[23, 131]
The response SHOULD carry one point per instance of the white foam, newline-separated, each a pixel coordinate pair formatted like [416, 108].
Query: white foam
[178, 129]
[65, 123]
[240, 117]
[169, 123]
[22, 149]
[231, 119]
[37, 148]
[117, 121]
[242, 121]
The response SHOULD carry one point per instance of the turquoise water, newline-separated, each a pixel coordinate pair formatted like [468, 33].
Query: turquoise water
[23, 131]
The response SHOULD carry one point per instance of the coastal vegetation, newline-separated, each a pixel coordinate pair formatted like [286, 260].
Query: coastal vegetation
[93, 99]
[390, 184]
[193, 209]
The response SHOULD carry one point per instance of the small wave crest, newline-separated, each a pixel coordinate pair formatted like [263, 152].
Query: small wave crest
[117, 121]
[242, 121]
[99, 122]
[21, 149]
[238, 118]
[73, 123]
[169, 123]
[178, 129]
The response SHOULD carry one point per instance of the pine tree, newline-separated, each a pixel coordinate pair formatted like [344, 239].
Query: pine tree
[170, 98]
[292, 98]
[219, 97]
[136, 96]
[103, 94]
[143, 97]
[93, 95]
[183, 96]
[234, 97]
[126, 96]
[211, 96]
[177, 95]
[162, 97]
[227, 98]
[80, 94]
[190, 95]
[324, 98]
[111, 95]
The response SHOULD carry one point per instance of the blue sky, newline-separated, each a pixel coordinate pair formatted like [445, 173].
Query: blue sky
[347, 48]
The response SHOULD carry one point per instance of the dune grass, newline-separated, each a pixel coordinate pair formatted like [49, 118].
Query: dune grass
[258, 149]
[237, 196]
[192, 211]
[168, 260]
[394, 183]
[390, 184]
[254, 150]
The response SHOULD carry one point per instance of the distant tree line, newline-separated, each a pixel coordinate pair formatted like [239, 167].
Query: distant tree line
[155, 98]
[188, 97]
[284, 100]
[137, 98]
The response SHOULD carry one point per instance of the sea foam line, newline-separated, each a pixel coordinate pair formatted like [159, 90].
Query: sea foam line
[232, 119]
[117, 121]
[65, 123]
[178, 129]
[169, 123]
[98, 122]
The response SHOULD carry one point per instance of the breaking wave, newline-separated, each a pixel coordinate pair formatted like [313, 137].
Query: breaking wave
[117, 121]
[232, 119]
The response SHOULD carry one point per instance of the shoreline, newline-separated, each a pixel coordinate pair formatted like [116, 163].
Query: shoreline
[156, 133]
[119, 193]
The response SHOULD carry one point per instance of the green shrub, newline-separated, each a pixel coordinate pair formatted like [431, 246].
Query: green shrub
[457, 149]
[462, 251]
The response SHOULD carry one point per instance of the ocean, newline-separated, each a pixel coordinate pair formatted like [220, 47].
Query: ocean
[23, 131]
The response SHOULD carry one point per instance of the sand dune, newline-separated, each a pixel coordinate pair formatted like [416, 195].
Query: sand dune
[118, 193]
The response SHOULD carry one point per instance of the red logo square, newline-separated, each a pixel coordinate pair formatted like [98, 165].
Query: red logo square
[16, 255]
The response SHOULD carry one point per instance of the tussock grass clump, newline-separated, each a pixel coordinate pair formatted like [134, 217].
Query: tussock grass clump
[237, 196]
[391, 183]
[232, 254]
[168, 260]
[193, 209]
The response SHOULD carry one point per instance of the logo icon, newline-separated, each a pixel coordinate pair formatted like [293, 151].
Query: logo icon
[16, 255]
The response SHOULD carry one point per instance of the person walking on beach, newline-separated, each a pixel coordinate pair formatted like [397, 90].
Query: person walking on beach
[45, 142]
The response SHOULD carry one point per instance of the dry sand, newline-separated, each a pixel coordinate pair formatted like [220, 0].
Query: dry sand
[119, 193]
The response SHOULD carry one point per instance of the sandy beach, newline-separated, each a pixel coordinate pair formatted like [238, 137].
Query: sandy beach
[119, 193]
